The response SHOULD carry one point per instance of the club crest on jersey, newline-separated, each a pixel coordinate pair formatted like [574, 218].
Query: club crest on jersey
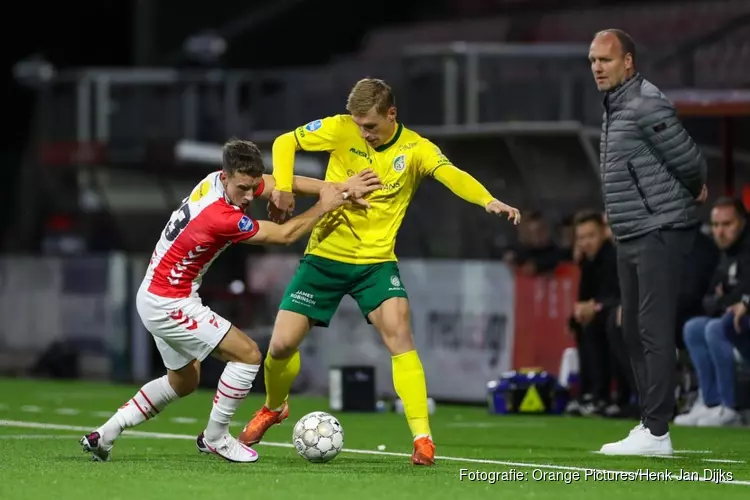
[245, 224]
[399, 163]
[314, 125]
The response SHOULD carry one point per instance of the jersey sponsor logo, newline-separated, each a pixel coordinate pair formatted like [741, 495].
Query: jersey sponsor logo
[200, 191]
[245, 224]
[360, 153]
[399, 163]
[391, 186]
[314, 125]
[407, 147]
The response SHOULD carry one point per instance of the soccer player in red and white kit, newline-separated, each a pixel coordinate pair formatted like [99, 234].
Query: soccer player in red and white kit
[185, 331]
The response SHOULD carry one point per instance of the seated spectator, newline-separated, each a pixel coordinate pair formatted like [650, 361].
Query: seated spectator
[736, 324]
[710, 350]
[535, 253]
[704, 258]
[593, 321]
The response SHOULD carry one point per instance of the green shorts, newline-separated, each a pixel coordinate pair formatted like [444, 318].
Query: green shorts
[319, 285]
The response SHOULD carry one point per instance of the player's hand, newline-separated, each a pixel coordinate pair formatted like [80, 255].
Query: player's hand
[739, 309]
[497, 207]
[362, 184]
[334, 196]
[276, 215]
[703, 196]
[283, 200]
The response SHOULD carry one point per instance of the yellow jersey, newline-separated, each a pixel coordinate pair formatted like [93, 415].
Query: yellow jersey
[367, 236]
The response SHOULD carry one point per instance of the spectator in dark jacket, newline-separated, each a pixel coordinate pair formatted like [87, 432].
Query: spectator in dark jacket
[704, 258]
[653, 177]
[536, 253]
[592, 321]
[710, 350]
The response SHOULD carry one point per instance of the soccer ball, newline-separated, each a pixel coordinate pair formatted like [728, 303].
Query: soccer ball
[318, 437]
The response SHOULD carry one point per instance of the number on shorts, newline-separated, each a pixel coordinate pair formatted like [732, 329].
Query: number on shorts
[177, 223]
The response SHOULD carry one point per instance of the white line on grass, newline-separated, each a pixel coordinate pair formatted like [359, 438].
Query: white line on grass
[183, 420]
[67, 411]
[164, 435]
[34, 436]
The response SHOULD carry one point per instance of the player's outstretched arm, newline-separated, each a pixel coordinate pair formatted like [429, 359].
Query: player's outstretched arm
[271, 233]
[467, 187]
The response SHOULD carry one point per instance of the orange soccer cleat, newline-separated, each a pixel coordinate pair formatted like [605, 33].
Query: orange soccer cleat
[424, 452]
[261, 422]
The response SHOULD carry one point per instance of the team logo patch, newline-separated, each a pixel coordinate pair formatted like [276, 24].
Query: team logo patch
[395, 281]
[314, 125]
[245, 224]
[399, 163]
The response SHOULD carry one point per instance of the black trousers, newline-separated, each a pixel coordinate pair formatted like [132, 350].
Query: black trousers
[650, 269]
[622, 370]
[603, 358]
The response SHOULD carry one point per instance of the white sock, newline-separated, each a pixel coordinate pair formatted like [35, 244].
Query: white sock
[234, 386]
[147, 403]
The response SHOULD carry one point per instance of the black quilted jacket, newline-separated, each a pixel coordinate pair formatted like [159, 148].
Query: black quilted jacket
[651, 169]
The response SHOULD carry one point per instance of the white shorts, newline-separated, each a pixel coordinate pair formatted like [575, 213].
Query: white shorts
[183, 329]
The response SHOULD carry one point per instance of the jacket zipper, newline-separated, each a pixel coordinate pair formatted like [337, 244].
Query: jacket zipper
[631, 169]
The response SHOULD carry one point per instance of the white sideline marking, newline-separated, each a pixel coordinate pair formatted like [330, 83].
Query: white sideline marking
[34, 436]
[723, 461]
[31, 409]
[183, 420]
[67, 411]
[163, 435]
[693, 451]
[102, 414]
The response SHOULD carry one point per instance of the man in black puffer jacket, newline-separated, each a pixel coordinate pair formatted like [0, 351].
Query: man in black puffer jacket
[653, 178]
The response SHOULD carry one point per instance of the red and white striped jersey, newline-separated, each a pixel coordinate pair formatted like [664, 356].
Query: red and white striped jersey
[205, 225]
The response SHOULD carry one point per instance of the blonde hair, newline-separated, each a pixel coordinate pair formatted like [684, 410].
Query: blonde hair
[370, 93]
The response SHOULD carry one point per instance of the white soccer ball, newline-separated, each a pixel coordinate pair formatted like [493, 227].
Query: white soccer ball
[318, 437]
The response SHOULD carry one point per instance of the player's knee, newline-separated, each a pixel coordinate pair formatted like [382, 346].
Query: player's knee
[184, 381]
[398, 339]
[282, 348]
[248, 353]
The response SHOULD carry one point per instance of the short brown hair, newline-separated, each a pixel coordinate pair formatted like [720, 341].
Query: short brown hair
[586, 216]
[731, 202]
[370, 93]
[243, 157]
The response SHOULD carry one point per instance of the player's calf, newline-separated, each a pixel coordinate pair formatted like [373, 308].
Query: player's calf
[243, 362]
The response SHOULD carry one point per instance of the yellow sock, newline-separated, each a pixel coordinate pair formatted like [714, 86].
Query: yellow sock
[411, 387]
[279, 375]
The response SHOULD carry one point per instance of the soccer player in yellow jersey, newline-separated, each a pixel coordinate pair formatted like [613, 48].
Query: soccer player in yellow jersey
[351, 250]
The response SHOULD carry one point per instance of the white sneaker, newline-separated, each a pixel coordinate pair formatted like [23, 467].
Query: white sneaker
[640, 441]
[719, 416]
[230, 449]
[698, 411]
[94, 444]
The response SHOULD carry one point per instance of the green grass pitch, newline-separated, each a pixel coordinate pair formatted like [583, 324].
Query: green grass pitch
[479, 455]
